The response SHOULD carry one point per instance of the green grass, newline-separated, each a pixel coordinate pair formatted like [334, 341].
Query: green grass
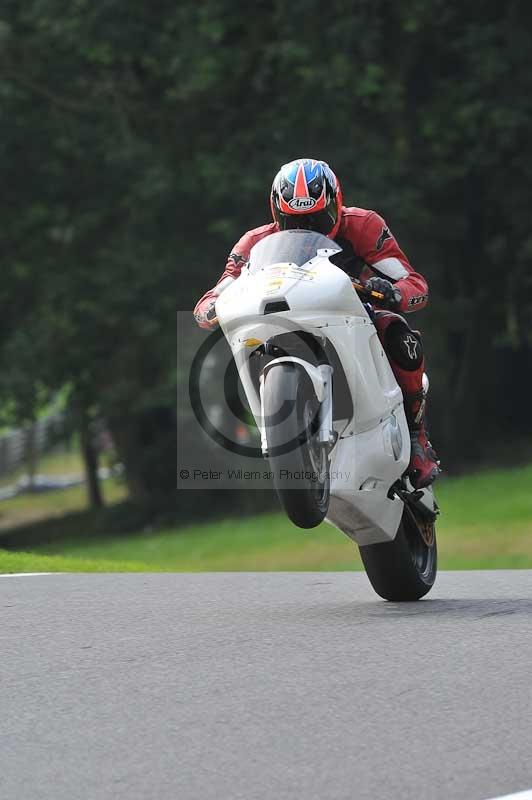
[486, 522]
[30, 562]
[30, 508]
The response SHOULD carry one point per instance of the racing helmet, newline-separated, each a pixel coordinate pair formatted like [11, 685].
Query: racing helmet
[307, 194]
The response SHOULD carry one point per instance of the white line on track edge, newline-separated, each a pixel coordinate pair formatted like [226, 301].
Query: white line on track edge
[25, 574]
[526, 795]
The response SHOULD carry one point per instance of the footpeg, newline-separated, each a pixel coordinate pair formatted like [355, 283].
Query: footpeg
[414, 500]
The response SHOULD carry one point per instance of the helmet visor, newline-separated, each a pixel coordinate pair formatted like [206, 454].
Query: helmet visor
[320, 222]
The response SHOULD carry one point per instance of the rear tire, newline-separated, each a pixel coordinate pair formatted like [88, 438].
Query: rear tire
[404, 569]
[291, 411]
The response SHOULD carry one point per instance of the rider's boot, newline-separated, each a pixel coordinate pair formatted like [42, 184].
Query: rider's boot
[424, 466]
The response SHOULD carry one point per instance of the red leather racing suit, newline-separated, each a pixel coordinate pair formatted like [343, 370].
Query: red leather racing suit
[372, 249]
[368, 249]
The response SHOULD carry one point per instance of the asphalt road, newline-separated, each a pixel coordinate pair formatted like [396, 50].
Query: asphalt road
[264, 685]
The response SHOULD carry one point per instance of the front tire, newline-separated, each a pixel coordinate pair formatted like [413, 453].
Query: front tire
[404, 569]
[299, 463]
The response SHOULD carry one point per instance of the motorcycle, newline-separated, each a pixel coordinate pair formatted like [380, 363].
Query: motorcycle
[327, 405]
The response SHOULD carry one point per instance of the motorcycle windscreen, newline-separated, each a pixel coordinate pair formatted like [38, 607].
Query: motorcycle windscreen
[290, 247]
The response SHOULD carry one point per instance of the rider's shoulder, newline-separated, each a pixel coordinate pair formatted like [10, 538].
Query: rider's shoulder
[354, 214]
[357, 222]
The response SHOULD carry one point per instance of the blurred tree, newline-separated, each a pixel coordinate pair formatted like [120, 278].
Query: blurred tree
[139, 141]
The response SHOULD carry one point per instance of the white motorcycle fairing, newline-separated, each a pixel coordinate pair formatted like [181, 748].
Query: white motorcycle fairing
[370, 440]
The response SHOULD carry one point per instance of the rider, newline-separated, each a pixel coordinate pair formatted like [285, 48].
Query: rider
[306, 194]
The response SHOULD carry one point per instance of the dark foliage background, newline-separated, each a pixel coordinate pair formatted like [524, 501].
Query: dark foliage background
[139, 141]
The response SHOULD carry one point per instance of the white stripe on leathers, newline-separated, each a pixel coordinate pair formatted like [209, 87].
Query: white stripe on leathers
[391, 268]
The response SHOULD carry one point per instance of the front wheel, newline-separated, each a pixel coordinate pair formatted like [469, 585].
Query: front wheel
[298, 461]
[404, 569]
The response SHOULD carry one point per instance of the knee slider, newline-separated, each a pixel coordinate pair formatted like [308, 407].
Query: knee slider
[404, 346]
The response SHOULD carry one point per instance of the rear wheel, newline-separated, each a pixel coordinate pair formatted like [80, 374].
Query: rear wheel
[404, 569]
[299, 463]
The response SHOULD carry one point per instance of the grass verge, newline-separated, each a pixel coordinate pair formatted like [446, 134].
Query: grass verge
[32, 562]
[486, 522]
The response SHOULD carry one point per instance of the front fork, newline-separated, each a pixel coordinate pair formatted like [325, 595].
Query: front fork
[326, 433]
[321, 378]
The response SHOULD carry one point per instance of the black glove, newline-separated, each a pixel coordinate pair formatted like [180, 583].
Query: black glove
[392, 295]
